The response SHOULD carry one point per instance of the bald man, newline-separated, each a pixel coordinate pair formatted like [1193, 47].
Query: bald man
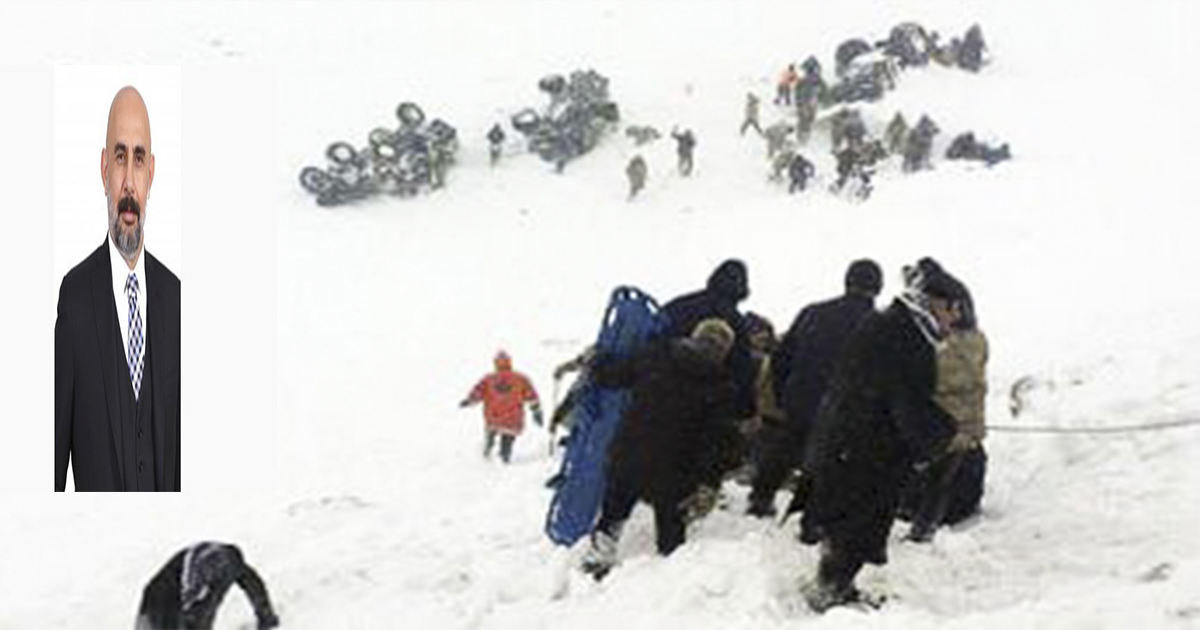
[116, 340]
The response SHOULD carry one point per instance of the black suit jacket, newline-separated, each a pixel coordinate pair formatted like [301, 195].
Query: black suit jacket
[87, 357]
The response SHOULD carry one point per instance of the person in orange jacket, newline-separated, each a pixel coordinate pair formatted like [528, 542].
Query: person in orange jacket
[787, 84]
[504, 394]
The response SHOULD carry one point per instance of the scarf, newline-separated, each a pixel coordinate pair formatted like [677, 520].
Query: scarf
[917, 304]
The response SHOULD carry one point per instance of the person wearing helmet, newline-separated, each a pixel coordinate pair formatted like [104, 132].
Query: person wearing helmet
[504, 394]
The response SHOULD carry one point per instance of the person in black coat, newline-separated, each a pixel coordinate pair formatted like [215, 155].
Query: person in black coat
[876, 422]
[672, 439]
[495, 137]
[801, 368]
[727, 286]
[187, 591]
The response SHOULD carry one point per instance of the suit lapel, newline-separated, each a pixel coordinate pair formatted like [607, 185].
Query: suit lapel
[159, 365]
[105, 311]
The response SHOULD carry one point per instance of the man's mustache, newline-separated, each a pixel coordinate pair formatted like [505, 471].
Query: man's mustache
[129, 204]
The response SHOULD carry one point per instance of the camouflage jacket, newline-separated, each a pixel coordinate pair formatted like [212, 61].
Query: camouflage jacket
[962, 381]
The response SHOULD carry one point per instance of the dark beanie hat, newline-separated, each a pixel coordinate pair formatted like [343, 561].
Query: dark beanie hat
[864, 275]
[729, 280]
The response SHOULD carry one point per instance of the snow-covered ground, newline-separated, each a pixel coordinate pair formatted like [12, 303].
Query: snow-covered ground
[1079, 253]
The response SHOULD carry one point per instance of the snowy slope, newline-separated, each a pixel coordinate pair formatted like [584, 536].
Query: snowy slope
[1078, 253]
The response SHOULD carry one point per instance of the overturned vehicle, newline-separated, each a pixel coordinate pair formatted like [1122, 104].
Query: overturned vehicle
[579, 114]
[397, 161]
[864, 74]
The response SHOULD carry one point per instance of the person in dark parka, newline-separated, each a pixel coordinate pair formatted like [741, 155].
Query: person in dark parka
[187, 591]
[727, 286]
[801, 368]
[672, 437]
[876, 422]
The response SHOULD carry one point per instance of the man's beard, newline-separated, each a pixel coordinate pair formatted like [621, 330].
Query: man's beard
[127, 244]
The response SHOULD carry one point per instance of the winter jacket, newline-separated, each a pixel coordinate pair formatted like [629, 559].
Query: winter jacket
[877, 419]
[503, 394]
[804, 361]
[726, 287]
[962, 381]
[187, 591]
[684, 142]
[678, 431]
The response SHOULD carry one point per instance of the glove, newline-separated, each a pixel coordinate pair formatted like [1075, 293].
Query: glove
[466, 402]
[537, 415]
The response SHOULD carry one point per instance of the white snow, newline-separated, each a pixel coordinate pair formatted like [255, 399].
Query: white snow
[1080, 254]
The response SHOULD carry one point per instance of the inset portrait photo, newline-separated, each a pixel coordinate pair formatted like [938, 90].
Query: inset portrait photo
[118, 263]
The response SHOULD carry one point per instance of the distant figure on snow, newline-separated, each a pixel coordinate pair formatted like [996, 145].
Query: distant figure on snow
[637, 172]
[185, 594]
[495, 137]
[800, 170]
[504, 393]
[751, 119]
[685, 146]
[787, 85]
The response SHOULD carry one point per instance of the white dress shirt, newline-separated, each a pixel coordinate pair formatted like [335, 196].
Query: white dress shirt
[120, 274]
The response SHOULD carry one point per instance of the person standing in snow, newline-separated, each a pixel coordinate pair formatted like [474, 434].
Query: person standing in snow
[495, 138]
[800, 170]
[764, 428]
[970, 54]
[896, 134]
[637, 172]
[751, 119]
[504, 394]
[786, 85]
[918, 143]
[685, 146]
[778, 135]
[670, 442]
[803, 365]
[877, 421]
[949, 490]
[186, 592]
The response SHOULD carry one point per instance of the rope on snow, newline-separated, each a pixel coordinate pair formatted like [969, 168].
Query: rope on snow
[1127, 428]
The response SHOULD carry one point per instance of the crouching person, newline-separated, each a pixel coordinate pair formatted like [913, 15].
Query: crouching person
[186, 593]
[668, 445]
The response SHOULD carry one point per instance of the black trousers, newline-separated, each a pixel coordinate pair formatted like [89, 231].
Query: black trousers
[506, 445]
[781, 452]
[620, 497]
